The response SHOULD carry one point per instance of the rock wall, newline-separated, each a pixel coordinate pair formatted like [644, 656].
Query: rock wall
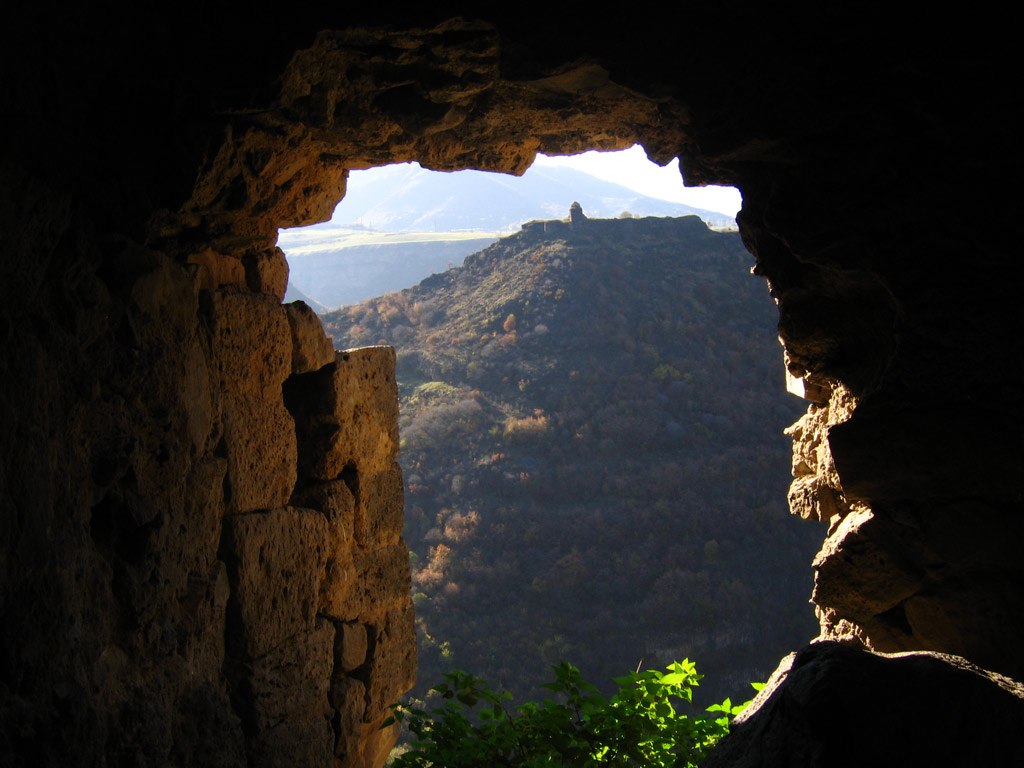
[200, 560]
[821, 708]
[203, 562]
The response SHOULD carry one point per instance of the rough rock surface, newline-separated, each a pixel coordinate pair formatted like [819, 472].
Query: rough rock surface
[157, 401]
[831, 705]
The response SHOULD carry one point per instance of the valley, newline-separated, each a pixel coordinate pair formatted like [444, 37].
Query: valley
[591, 425]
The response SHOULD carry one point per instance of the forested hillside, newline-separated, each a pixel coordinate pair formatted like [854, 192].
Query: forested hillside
[595, 468]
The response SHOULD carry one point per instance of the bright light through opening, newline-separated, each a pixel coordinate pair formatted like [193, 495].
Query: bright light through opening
[632, 169]
[396, 214]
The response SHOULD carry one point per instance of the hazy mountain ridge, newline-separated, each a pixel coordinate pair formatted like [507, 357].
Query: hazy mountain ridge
[409, 198]
[292, 293]
[337, 277]
[359, 253]
[595, 470]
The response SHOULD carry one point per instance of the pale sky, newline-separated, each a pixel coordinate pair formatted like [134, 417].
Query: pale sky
[632, 169]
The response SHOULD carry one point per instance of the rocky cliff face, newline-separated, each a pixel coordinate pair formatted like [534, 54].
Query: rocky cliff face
[199, 536]
[182, 582]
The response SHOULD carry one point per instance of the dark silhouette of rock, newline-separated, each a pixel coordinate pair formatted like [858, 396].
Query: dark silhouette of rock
[831, 705]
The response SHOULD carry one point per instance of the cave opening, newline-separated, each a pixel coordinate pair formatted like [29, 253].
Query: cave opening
[168, 596]
[477, 527]
[400, 223]
[837, 292]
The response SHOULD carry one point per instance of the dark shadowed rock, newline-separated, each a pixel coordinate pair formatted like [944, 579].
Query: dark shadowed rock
[835, 705]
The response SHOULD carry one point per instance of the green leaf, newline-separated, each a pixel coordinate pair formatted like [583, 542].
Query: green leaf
[639, 726]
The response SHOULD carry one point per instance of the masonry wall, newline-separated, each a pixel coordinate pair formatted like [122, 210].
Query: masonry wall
[203, 515]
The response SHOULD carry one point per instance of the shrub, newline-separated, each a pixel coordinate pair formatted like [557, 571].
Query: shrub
[527, 427]
[441, 422]
[638, 726]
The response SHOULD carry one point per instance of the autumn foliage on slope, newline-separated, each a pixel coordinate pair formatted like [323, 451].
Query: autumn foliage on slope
[595, 470]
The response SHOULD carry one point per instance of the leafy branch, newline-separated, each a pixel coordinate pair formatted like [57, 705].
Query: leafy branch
[639, 725]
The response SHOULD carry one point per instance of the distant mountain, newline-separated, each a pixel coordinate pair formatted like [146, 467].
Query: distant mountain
[339, 266]
[591, 426]
[292, 293]
[408, 198]
[400, 223]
